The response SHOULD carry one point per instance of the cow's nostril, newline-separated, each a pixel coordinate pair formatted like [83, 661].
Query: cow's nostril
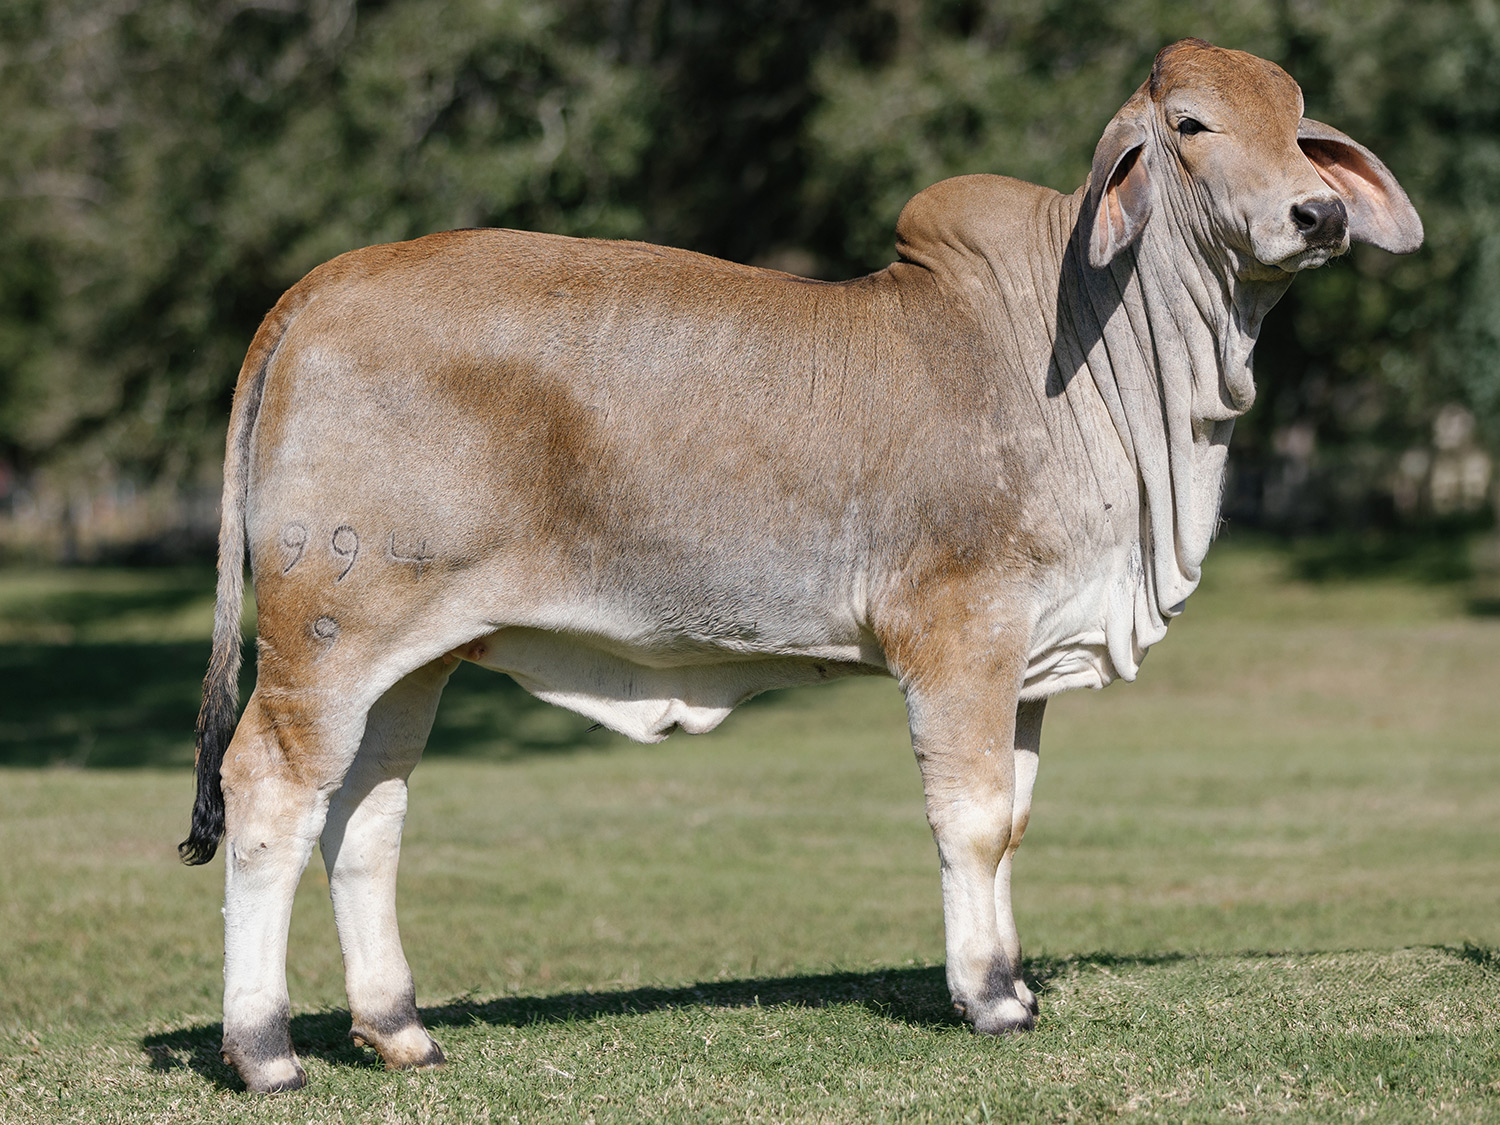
[1320, 220]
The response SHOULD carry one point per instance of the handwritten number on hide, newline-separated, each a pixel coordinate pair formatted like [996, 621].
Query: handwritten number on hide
[418, 558]
[345, 544]
[294, 539]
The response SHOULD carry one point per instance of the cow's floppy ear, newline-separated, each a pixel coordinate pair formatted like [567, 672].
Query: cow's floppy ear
[1379, 212]
[1119, 187]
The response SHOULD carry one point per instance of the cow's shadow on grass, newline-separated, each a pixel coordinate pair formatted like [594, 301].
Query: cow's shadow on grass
[124, 706]
[129, 706]
[916, 997]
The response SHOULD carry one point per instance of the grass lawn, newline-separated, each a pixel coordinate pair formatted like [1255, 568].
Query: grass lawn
[1262, 883]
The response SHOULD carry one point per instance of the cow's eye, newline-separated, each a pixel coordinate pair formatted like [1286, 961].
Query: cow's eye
[1187, 126]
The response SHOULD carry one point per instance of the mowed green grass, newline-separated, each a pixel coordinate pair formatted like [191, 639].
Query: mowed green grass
[1262, 883]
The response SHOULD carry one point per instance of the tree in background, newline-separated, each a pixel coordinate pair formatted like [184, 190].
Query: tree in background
[167, 168]
[171, 167]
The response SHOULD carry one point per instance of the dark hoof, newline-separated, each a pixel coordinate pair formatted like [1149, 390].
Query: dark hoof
[1028, 998]
[434, 1057]
[408, 1048]
[264, 1058]
[270, 1076]
[1000, 1017]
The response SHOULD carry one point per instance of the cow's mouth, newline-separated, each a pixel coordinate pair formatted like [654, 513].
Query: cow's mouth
[1269, 261]
[1309, 259]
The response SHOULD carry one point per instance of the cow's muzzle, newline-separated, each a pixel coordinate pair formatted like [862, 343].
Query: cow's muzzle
[1321, 222]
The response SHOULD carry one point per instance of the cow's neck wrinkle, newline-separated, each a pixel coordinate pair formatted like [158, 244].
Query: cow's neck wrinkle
[1165, 341]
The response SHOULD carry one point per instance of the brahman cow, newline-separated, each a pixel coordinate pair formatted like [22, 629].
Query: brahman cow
[649, 485]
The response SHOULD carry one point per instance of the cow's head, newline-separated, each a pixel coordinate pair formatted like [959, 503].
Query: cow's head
[1215, 142]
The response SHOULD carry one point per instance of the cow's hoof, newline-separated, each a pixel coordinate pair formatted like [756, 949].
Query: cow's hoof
[268, 1076]
[999, 1017]
[409, 1048]
[1027, 997]
[263, 1057]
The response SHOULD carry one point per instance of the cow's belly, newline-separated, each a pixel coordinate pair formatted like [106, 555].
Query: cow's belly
[647, 693]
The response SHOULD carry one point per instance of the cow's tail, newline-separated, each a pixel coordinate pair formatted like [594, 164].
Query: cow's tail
[221, 694]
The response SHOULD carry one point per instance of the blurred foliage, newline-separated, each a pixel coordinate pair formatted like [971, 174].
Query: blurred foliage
[168, 167]
[1364, 352]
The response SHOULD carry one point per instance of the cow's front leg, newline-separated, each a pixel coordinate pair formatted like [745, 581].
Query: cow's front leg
[361, 847]
[963, 724]
[1028, 746]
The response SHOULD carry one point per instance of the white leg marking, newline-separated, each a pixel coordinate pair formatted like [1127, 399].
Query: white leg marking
[273, 813]
[1027, 758]
[263, 861]
[968, 777]
[361, 849]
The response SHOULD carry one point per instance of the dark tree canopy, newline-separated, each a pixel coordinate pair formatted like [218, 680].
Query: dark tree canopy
[169, 167]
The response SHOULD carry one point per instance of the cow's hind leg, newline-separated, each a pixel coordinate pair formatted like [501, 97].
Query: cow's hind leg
[277, 774]
[361, 846]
